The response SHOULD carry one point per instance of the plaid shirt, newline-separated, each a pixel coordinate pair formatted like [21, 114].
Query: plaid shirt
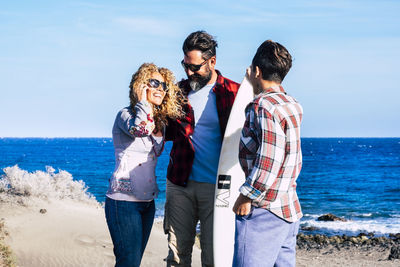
[180, 130]
[270, 153]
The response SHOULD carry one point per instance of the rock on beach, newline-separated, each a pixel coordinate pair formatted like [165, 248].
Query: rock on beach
[330, 218]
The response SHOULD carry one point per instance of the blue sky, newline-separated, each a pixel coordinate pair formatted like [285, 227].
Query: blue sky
[65, 66]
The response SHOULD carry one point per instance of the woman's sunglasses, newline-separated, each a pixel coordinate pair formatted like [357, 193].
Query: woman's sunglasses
[193, 67]
[154, 83]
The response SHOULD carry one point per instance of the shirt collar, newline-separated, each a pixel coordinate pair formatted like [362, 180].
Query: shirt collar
[274, 89]
[219, 83]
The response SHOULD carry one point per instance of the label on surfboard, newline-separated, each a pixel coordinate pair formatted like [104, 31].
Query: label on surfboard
[224, 187]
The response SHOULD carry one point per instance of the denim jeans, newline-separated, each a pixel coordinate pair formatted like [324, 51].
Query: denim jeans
[129, 224]
[264, 239]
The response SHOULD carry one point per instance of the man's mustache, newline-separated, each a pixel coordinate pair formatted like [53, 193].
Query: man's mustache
[195, 77]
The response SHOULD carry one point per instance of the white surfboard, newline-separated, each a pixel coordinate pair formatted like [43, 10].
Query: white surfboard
[230, 178]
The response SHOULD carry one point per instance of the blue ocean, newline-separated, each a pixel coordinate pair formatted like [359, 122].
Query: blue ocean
[354, 178]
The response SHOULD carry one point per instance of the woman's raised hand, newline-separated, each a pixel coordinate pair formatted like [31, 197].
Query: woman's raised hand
[142, 94]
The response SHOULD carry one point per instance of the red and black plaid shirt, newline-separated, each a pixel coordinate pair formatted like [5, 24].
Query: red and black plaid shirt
[179, 131]
[270, 153]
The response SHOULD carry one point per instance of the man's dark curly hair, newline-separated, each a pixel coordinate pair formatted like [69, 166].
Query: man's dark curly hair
[202, 41]
[274, 61]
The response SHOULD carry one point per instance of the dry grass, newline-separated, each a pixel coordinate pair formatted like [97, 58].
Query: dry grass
[6, 255]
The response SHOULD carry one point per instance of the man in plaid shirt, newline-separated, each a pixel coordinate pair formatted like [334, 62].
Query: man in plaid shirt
[197, 140]
[268, 209]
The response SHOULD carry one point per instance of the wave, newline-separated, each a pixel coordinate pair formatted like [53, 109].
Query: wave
[21, 186]
[353, 227]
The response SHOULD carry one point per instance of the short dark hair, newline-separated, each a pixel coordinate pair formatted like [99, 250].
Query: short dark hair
[201, 41]
[274, 61]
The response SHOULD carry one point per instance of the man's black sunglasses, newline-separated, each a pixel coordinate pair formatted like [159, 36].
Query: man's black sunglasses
[156, 83]
[193, 67]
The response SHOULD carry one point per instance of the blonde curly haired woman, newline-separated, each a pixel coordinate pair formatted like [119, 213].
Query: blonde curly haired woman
[138, 141]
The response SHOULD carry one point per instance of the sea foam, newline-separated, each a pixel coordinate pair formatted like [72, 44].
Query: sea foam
[25, 187]
[354, 227]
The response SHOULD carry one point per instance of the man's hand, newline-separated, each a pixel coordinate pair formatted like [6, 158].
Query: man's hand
[242, 205]
[248, 72]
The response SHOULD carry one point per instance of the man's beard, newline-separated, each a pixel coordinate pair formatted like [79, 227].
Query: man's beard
[198, 81]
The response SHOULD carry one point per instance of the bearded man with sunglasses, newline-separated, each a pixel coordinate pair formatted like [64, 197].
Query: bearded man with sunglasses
[197, 140]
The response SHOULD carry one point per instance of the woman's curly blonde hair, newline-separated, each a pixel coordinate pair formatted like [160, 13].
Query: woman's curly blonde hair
[171, 106]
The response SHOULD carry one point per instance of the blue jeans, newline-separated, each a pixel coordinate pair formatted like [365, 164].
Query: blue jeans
[264, 239]
[129, 224]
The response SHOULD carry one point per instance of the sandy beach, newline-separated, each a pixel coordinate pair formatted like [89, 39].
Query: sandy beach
[70, 233]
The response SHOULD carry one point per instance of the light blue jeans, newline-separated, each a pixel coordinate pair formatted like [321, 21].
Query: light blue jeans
[129, 224]
[264, 239]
